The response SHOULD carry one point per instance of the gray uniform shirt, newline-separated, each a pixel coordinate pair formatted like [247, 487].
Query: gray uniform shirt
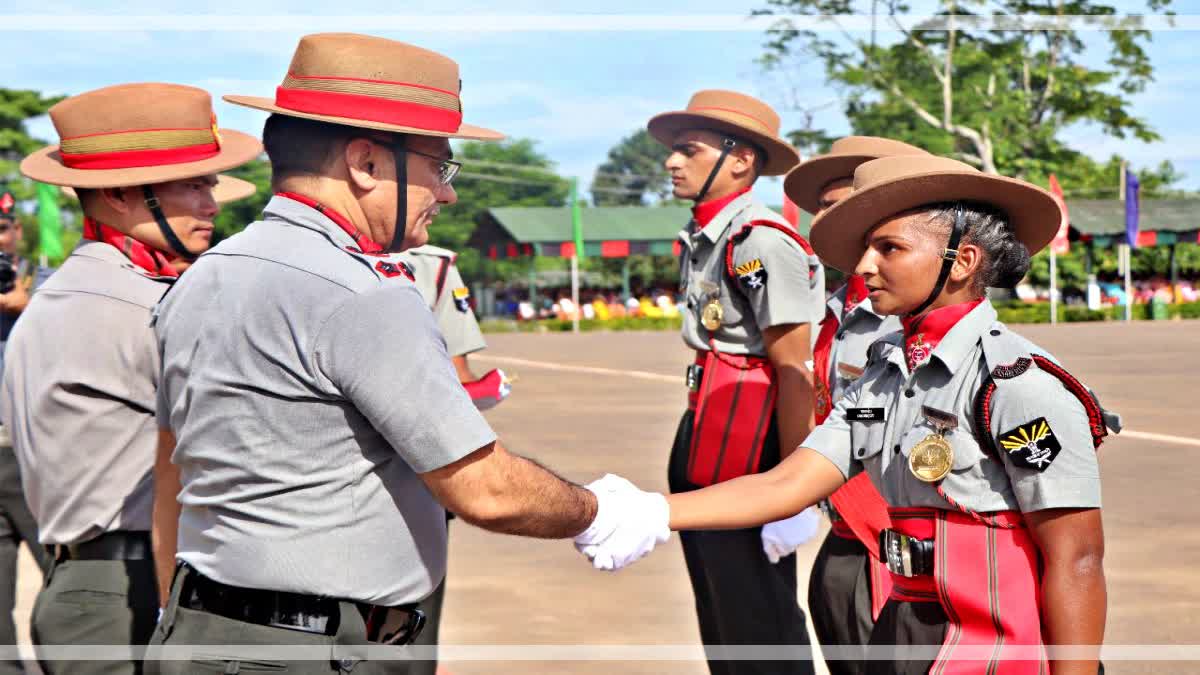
[948, 382]
[856, 333]
[81, 369]
[308, 386]
[787, 287]
[449, 300]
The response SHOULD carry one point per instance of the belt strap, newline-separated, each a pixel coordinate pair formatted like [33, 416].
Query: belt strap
[119, 545]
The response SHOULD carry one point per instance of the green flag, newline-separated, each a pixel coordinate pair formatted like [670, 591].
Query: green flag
[576, 219]
[49, 223]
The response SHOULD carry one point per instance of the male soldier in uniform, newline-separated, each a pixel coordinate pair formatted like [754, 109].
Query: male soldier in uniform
[753, 290]
[311, 423]
[143, 159]
[16, 523]
[437, 278]
[840, 587]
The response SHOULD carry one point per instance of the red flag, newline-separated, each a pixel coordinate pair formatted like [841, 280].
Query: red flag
[791, 212]
[1060, 244]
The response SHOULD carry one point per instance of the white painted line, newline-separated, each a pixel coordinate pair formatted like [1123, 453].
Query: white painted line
[659, 377]
[588, 370]
[1161, 438]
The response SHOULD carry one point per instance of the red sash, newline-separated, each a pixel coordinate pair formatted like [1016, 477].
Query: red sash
[733, 414]
[986, 580]
[866, 515]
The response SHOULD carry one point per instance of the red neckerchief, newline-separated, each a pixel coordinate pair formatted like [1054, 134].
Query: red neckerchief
[153, 261]
[365, 245]
[856, 292]
[704, 212]
[923, 333]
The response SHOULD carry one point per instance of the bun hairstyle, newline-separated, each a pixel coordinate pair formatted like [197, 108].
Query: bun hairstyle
[1005, 259]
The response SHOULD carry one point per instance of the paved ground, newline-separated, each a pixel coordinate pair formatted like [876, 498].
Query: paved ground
[510, 591]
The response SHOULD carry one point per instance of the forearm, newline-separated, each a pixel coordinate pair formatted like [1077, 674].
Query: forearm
[798, 482]
[1074, 601]
[794, 409]
[504, 493]
[462, 368]
[164, 529]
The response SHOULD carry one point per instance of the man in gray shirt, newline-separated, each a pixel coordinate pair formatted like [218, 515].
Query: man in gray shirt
[81, 365]
[312, 429]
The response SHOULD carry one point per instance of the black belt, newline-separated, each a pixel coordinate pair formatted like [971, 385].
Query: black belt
[120, 545]
[904, 555]
[296, 611]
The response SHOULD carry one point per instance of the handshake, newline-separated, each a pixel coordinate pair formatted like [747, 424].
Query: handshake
[629, 523]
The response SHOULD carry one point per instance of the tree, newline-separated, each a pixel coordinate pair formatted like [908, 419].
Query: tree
[633, 172]
[235, 216]
[995, 98]
[512, 173]
[17, 107]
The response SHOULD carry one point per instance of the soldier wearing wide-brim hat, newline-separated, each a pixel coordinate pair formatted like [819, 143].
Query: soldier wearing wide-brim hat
[843, 588]
[82, 367]
[982, 444]
[754, 293]
[314, 429]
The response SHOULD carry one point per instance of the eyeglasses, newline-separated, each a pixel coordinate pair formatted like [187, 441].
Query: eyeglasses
[447, 168]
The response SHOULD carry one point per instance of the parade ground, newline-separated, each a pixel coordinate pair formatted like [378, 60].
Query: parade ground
[609, 402]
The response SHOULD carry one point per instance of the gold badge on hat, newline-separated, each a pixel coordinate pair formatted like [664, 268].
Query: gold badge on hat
[933, 457]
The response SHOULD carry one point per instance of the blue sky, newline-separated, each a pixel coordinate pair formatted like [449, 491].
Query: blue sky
[576, 92]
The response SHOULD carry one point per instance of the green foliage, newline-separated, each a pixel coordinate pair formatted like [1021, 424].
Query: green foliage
[995, 98]
[236, 215]
[632, 173]
[1153, 261]
[515, 185]
[18, 106]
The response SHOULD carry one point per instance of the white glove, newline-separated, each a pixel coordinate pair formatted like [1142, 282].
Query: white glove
[782, 537]
[629, 523]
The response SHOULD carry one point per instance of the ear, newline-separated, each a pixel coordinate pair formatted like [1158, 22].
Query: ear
[363, 163]
[967, 265]
[121, 200]
[742, 160]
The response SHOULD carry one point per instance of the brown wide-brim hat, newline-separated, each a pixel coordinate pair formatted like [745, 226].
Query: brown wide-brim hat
[228, 189]
[371, 83]
[891, 185]
[804, 184]
[728, 112]
[137, 134]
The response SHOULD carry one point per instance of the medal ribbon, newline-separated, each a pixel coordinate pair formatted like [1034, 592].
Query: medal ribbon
[153, 261]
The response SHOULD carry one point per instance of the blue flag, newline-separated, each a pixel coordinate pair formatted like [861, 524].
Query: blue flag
[1131, 209]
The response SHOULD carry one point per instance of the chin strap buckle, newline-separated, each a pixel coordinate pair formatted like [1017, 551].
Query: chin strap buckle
[950, 255]
[152, 202]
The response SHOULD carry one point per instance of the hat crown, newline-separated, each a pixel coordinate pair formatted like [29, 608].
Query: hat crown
[872, 146]
[133, 108]
[330, 56]
[901, 166]
[738, 108]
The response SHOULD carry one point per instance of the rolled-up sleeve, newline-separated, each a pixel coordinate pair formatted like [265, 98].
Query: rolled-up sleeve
[1042, 433]
[383, 352]
[776, 277]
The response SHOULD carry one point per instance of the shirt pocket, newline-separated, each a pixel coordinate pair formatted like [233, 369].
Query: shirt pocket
[866, 439]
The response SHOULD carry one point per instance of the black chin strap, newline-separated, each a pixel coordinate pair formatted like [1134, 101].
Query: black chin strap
[173, 241]
[726, 146]
[948, 258]
[401, 156]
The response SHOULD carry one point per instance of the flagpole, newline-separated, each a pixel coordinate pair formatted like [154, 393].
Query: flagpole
[1126, 258]
[577, 236]
[1053, 286]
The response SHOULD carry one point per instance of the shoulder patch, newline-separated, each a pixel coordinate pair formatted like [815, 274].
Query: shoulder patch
[1011, 370]
[752, 273]
[1032, 445]
[462, 297]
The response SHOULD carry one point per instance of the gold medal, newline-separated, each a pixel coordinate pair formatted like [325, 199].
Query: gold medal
[712, 314]
[931, 459]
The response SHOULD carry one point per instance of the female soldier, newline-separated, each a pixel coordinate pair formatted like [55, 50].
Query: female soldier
[983, 447]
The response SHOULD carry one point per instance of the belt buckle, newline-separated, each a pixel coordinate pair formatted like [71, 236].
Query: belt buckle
[897, 548]
[394, 625]
[692, 378]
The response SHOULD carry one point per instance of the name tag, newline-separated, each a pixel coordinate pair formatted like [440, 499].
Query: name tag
[864, 414]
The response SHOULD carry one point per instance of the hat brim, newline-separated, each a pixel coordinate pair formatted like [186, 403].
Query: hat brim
[781, 156]
[838, 234]
[465, 131]
[46, 166]
[804, 184]
[228, 189]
